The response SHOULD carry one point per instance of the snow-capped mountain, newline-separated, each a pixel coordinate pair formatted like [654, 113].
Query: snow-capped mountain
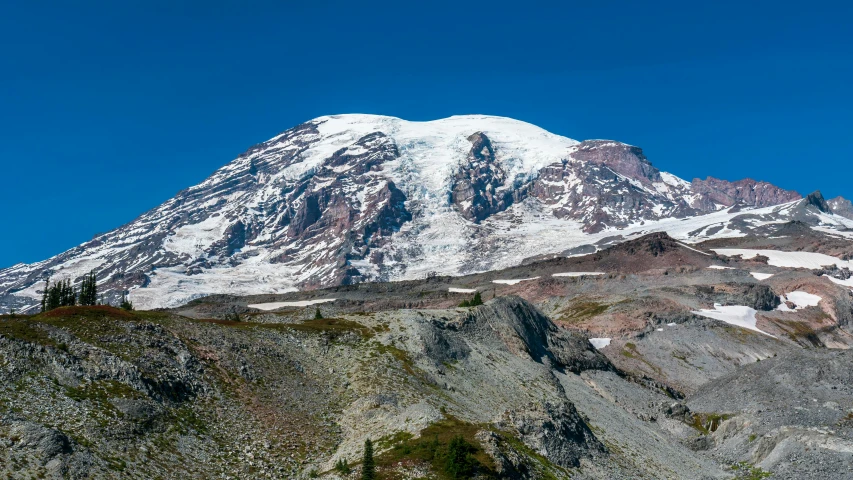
[351, 198]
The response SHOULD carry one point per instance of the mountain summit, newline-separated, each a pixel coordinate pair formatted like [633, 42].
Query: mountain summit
[351, 198]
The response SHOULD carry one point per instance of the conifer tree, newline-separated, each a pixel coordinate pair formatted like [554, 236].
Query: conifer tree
[317, 314]
[44, 295]
[125, 303]
[368, 466]
[89, 290]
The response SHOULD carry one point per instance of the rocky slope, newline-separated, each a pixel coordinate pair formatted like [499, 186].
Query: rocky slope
[100, 393]
[650, 358]
[351, 198]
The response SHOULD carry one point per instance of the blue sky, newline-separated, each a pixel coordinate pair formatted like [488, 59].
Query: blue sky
[120, 105]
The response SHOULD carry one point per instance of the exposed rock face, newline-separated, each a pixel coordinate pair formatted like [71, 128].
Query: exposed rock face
[747, 192]
[816, 200]
[609, 184]
[623, 159]
[760, 297]
[344, 199]
[526, 332]
[554, 431]
[480, 186]
[52, 449]
[841, 206]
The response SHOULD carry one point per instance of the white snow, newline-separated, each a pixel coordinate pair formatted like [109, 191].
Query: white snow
[462, 290]
[720, 267]
[737, 315]
[576, 274]
[599, 343]
[438, 239]
[846, 283]
[776, 258]
[761, 276]
[301, 303]
[670, 324]
[513, 282]
[694, 249]
[800, 299]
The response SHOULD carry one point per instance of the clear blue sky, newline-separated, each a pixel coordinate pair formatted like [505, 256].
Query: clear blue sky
[108, 109]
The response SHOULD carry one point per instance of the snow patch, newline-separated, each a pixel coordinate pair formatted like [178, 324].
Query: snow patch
[513, 282]
[737, 315]
[576, 274]
[776, 258]
[300, 303]
[695, 250]
[761, 276]
[800, 299]
[846, 283]
[462, 290]
[599, 343]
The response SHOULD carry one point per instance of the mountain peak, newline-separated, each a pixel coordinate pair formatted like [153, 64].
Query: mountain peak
[351, 198]
[816, 200]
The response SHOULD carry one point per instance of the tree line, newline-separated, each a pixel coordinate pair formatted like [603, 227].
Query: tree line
[63, 294]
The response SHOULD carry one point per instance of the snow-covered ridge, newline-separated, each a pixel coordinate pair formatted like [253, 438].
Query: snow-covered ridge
[349, 198]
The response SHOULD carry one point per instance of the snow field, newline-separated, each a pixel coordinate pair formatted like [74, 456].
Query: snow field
[776, 258]
[513, 282]
[301, 303]
[576, 274]
[800, 299]
[737, 315]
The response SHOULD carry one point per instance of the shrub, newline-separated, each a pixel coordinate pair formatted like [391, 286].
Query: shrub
[459, 462]
[342, 466]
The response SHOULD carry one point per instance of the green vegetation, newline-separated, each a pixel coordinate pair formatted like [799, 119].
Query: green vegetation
[89, 290]
[475, 302]
[708, 422]
[449, 446]
[746, 471]
[63, 294]
[401, 355]
[125, 303]
[459, 461]
[368, 466]
[342, 467]
[27, 331]
[800, 332]
[334, 327]
[317, 314]
[58, 294]
[582, 310]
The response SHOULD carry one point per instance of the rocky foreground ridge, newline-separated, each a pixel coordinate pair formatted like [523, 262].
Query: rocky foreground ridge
[352, 198]
[599, 366]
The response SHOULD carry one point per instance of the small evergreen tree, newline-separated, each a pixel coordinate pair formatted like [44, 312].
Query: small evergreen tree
[44, 295]
[317, 314]
[478, 300]
[342, 466]
[89, 290]
[125, 303]
[459, 462]
[368, 466]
